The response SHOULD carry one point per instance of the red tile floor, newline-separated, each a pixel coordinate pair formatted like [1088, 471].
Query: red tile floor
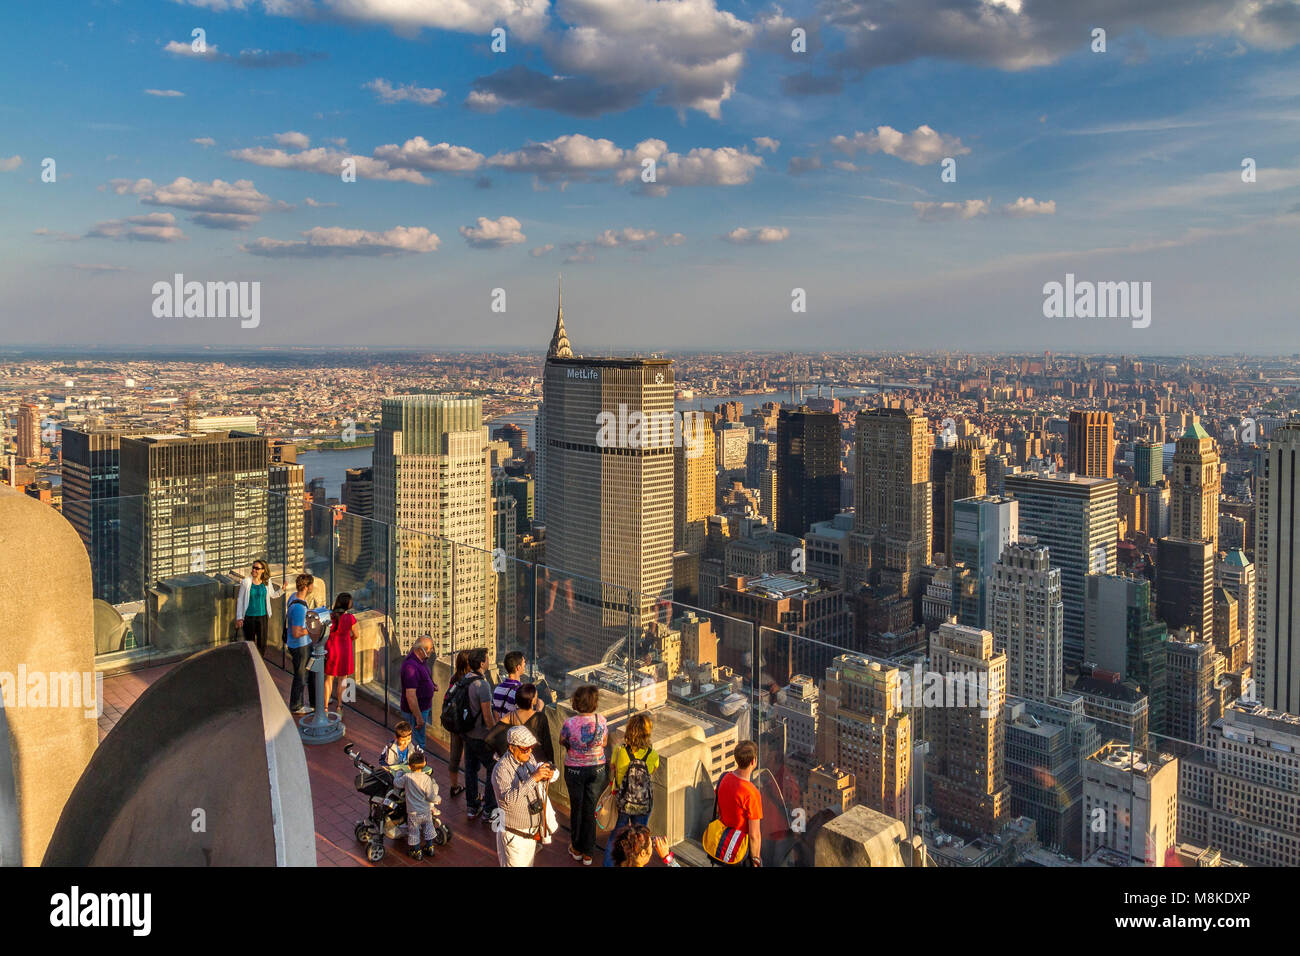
[337, 804]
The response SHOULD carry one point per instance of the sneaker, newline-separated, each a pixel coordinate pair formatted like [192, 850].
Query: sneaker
[575, 856]
[301, 710]
[428, 851]
[416, 853]
[472, 812]
[586, 861]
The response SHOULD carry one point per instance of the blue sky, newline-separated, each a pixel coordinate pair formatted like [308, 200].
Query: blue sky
[775, 170]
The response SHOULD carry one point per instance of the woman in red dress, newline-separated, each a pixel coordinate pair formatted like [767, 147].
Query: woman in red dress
[339, 660]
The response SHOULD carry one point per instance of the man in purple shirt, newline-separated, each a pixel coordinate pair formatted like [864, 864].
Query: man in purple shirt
[418, 688]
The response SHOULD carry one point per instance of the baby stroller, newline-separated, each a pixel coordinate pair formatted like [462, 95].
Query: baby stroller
[387, 808]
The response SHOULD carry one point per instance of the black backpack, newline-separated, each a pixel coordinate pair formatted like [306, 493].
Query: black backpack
[635, 795]
[458, 715]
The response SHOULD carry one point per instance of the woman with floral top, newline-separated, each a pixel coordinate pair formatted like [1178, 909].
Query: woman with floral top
[584, 736]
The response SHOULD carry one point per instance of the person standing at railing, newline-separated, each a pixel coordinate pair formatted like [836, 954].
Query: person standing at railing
[253, 606]
[457, 740]
[633, 763]
[478, 756]
[418, 688]
[584, 736]
[339, 660]
[503, 695]
[740, 805]
[299, 643]
[519, 781]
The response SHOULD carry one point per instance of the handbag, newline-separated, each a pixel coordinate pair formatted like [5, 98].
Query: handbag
[607, 807]
[723, 843]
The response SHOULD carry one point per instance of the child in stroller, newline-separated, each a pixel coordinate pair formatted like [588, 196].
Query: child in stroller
[387, 806]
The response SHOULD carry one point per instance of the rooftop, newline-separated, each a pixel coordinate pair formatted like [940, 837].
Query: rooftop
[337, 804]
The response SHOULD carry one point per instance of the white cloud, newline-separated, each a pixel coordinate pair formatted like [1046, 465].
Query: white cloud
[573, 156]
[1029, 206]
[482, 101]
[204, 141]
[726, 166]
[764, 234]
[332, 241]
[181, 48]
[580, 158]
[524, 20]
[767, 142]
[385, 92]
[216, 205]
[493, 233]
[418, 153]
[675, 239]
[10, 164]
[327, 162]
[153, 227]
[922, 146]
[541, 250]
[293, 140]
[317, 204]
[947, 211]
[164, 92]
[611, 238]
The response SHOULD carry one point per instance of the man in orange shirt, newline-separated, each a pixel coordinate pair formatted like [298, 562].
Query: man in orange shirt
[740, 805]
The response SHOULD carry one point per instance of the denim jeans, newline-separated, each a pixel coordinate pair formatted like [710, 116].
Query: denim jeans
[585, 785]
[477, 757]
[417, 733]
[301, 657]
[623, 820]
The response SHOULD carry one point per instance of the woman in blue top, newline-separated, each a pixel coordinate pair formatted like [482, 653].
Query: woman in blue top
[253, 607]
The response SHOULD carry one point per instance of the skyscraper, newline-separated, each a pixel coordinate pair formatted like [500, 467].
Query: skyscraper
[433, 492]
[1027, 616]
[1091, 444]
[808, 469]
[1121, 636]
[1190, 699]
[29, 433]
[968, 736]
[1277, 536]
[1236, 575]
[1076, 519]
[92, 504]
[1148, 462]
[891, 534]
[981, 528]
[284, 516]
[966, 479]
[1194, 488]
[1130, 805]
[608, 505]
[1185, 585]
[694, 491]
[204, 501]
[1241, 792]
[865, 730]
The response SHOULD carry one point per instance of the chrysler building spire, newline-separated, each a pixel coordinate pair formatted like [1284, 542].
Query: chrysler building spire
[560, 340]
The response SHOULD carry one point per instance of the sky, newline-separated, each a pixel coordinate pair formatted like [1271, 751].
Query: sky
[911, 173]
